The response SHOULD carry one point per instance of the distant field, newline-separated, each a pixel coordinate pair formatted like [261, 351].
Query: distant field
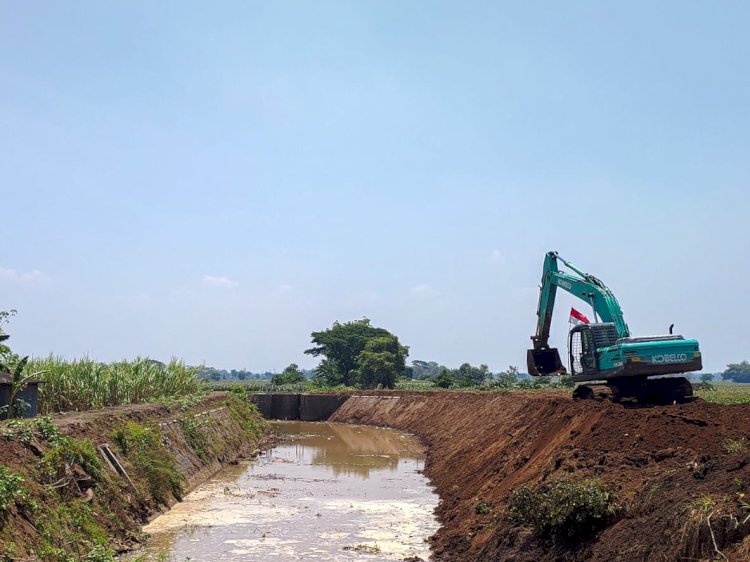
[726, 393]
[719, 393]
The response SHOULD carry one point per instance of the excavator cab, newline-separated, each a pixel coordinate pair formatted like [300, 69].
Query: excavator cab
[583, 341]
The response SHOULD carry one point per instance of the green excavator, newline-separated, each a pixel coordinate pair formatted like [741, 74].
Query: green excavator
[604, 351]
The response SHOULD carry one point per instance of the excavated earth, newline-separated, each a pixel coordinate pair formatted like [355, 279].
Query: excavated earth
[681, 473]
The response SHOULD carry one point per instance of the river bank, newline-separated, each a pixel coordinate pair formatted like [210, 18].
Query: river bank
[80, 486]
[680, 473]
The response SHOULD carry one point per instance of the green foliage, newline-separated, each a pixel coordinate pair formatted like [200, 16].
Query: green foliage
[69, 533]
[380, 363]
[291, 375]
[342, 346]
[444, 379]
[66, 453]
[737, 372]
[482, 507]
[735, 445]
[26, 431]
[86, 384]
[12, 489]
[194, 430]
[246, 415]
[424, 370]
[142, 446]
[6, 355]
[507, 379]
[707, 377]
[466, 376]
[563, 509]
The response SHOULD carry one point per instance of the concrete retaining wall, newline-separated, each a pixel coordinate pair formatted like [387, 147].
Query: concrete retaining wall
[305, 407]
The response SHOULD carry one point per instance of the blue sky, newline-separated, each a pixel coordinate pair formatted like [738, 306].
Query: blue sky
[217, 180]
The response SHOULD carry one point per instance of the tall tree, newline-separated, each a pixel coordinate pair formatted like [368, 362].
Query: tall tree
[381, 362]
[737, 372]
[340, 346]
[291, 375]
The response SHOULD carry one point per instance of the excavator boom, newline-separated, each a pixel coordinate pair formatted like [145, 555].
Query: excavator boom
[543, 360]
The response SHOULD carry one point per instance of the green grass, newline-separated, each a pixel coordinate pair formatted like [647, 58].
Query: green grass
[725, 393]
[142, 446]
[86, 384]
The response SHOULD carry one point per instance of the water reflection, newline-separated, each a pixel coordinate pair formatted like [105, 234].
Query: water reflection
[350, 449]
[328, 492]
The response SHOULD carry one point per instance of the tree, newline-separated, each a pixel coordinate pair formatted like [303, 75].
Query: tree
[425, 369]
[444, 379]
[291, 375]
[706, 377]
[381, 362]
[737, 372]
[6, 355]
[341, 346]
[507, 379]
[467, 375]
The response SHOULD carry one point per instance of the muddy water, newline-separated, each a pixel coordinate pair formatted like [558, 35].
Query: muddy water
[329, 492]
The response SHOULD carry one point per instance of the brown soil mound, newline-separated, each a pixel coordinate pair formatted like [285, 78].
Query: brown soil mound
[680, 472]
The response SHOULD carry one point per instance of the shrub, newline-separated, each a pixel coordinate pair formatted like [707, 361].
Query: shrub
[563, 509]
[11, 489]
[482, 507]
[67, 452]
[735, 445]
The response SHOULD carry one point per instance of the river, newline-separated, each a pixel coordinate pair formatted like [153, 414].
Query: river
[327, 492]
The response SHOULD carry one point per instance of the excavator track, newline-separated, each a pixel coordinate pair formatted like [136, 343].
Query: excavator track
[671, 390]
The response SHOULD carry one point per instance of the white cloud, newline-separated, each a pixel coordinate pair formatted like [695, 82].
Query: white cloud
[19, 276]
[423, 290]
[497, 256]
[219, 281]
[284, 288]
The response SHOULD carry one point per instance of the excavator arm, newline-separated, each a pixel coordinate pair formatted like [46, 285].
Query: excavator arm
[543, 360]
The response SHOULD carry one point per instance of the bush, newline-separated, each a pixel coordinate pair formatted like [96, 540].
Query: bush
[563, 509]
[11, 489]
[67, 452]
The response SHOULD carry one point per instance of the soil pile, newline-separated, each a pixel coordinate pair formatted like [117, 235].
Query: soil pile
[681, 473]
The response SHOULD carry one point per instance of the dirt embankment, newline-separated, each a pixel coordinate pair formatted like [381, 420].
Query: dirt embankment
[681, 473]
[61, 500]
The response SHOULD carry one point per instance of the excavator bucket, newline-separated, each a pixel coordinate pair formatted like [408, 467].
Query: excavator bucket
[542, 362]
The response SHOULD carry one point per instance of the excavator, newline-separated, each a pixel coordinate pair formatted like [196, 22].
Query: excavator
[604, 351]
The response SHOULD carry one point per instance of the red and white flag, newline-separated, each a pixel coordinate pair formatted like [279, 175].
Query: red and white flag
[577, 317]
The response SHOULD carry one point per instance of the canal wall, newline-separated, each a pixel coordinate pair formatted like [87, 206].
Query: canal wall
[298, 406]
[657, 461]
